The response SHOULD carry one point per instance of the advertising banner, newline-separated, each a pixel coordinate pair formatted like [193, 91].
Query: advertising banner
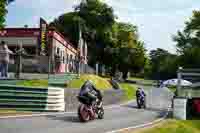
[43, 37]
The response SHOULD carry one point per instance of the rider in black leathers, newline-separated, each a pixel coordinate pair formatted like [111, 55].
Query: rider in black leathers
[92, 94]
[140, 94]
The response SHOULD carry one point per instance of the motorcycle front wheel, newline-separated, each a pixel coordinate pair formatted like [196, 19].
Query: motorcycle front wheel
[101, 113]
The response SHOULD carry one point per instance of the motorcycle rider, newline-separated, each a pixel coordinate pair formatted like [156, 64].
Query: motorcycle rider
[92, 94]
[140, 94]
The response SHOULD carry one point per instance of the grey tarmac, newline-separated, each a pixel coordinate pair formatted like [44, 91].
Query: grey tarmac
[115, 118]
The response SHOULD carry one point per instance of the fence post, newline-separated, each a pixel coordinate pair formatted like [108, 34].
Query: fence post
[179, 80]
[79, 68]
[103, 70]
[18, 60]
[97, 68]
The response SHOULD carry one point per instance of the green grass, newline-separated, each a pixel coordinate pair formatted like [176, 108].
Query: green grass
[135, 78]
[33, 83]
[143, 81]
[174, 126]
[129, 89]
[99, 82]
[172, 88]
[6, 112]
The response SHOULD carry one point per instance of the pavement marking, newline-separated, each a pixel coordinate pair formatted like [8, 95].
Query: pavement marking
[60, 113]
[142, 125]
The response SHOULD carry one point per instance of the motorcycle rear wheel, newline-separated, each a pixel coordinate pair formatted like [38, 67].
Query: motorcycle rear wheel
[83, 114]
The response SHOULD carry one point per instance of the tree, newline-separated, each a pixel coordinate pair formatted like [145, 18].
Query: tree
[94, 18]
[68, 25]
[163, 64]
[3, 11]
[188, 42]
[125, 51]
[112, 43]
[97, 15]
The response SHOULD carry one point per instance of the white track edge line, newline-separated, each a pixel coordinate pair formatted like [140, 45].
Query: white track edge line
[142, 125]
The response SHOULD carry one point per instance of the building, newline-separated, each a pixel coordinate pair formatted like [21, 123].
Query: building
[44, 41]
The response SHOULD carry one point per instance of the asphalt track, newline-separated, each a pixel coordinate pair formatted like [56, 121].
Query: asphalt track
[116, 118]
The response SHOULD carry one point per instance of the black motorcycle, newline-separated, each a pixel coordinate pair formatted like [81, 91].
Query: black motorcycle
[141, 102]
[86, 112]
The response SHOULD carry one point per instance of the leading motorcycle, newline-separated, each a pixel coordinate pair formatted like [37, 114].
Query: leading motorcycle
[141, 102]
[89, 112]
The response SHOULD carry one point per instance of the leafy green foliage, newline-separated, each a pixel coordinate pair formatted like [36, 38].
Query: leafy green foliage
[112, 43]
[68, 25]
[163, 65]
[3, 11]
[188, 42]
[129, 90]
[33, 83]
[125, 50]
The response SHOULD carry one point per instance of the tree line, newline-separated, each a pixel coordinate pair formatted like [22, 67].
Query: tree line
[164, 65]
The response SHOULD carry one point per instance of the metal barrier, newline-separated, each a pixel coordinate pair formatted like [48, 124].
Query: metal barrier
[31, 99]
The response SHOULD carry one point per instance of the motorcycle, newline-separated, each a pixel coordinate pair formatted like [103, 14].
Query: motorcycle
[86, 112]
[141, 102]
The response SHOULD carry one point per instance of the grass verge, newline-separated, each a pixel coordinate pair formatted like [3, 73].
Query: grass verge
[100, 83]
[172, 88]
[12, 113]
[172, 126]
[33, 83]
[143, 81]
[129, 89]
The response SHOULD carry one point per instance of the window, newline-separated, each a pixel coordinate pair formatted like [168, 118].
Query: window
[67, 59]
[58, 51]
[70, 58]
[63, 59]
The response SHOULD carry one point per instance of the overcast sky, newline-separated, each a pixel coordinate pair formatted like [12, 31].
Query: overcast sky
[157, 20]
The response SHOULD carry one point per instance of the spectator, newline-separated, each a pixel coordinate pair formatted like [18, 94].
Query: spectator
[4, 59]
[58, 61]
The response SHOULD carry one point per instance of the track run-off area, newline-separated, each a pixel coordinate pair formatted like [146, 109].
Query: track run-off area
[116, 118]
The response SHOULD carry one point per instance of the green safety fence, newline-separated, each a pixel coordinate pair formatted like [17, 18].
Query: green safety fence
[31, 98]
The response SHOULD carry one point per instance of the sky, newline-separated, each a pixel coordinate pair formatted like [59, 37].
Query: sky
[157, 20]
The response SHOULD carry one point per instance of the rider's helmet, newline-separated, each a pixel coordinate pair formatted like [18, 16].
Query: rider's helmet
[89, 81]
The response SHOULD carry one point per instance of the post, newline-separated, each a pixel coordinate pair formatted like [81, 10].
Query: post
[79, 68]
[179, 80]
[49, 66]
[18, 60]
[103, 70]
[49, 59]
[97, 68]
